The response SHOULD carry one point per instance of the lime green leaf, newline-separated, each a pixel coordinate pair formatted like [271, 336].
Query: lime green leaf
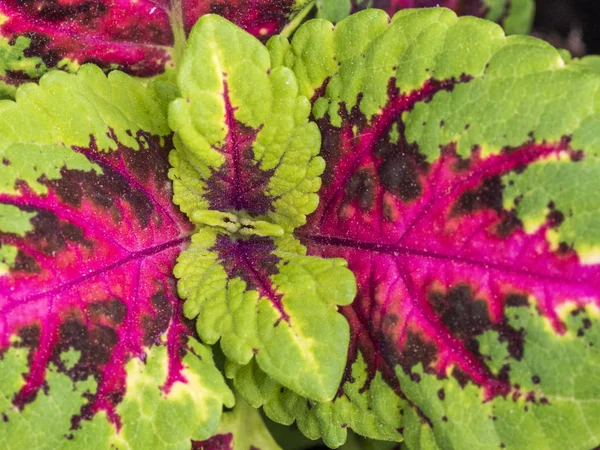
[552, 398]
[8, 256]
[593, 62]
[13, 60]
[515, 16]
[147, 414]
[368, 405]
[245, 171]
[333, 10]
[270, 303]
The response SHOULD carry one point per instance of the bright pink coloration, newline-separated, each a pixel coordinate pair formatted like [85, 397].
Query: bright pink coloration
[95, 274]
[436, 257]
[261, 18]
[133, 36]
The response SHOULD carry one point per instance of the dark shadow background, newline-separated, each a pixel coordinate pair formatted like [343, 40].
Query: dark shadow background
[570, 24]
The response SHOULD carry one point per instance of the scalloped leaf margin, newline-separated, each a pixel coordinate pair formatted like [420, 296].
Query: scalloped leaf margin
[245, 171]
[462, 192]
[515, 16]
[94, 349]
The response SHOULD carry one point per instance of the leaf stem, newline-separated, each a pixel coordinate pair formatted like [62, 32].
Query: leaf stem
[179, 37]
[296, 21]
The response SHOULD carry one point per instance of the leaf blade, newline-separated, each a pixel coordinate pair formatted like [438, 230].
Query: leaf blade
[89, 237]
[247, 175]
[429, 157]
[135, 37]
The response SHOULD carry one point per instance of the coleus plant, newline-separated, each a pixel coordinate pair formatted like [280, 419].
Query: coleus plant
[385, 225]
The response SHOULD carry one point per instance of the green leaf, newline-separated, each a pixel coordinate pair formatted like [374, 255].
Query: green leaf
[13, 60]
[260, 121]
[245, 171]
[555, 406]
[368, 405]
[592, 61]
[8, 256]
[40, 129]
[287, 318]
[333, 10]
[515, 16]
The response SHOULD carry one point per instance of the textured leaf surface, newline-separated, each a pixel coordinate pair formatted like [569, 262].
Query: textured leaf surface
[515, 16]
[134, 36]
[246, 171]
[463, 192]
[95, 352]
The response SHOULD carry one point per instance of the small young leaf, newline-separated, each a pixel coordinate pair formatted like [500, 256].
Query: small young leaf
[95, 351]
[245, 170]
[461, 187]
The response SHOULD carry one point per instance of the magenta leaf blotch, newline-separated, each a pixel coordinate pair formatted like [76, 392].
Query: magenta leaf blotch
[91, 325]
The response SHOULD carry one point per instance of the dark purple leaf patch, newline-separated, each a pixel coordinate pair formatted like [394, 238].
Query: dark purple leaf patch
[238, 184]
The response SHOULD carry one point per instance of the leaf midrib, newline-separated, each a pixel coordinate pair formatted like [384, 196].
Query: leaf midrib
[133, 256]
[400, 250]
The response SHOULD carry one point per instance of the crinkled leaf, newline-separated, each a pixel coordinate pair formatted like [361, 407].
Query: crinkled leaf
[515, 16]
[462, 188]
[246, 171]
[367, 404]
[95, 350]
[240, 429]
[133, 36]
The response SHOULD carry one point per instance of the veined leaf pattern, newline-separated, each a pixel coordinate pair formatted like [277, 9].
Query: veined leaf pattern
[462, 193]
[91, 327]
[246, 170]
